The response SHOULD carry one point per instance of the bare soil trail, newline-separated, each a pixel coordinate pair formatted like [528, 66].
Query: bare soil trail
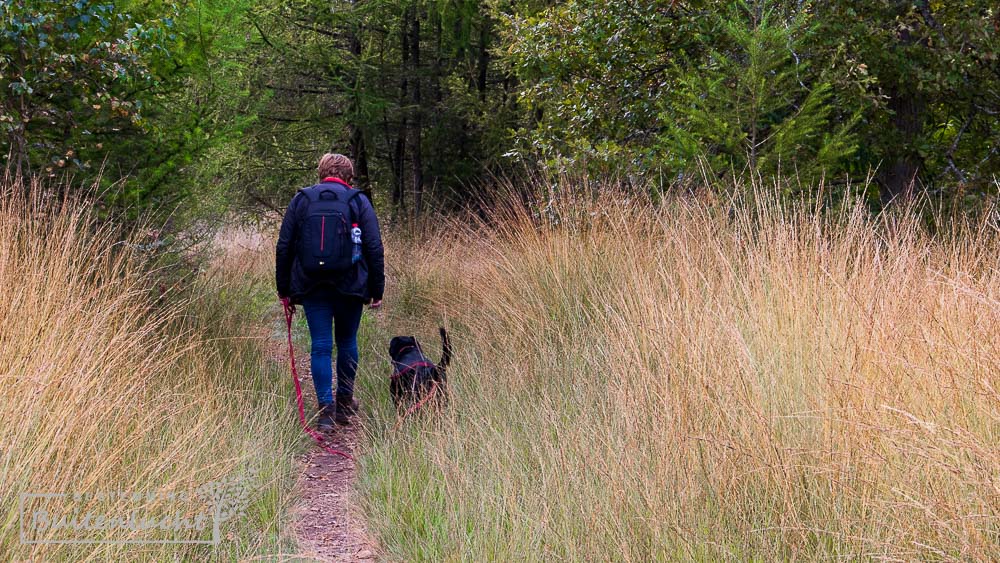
[326, 526]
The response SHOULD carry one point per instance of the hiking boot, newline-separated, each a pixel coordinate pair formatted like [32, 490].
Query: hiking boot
[346, 409]
[327, 415]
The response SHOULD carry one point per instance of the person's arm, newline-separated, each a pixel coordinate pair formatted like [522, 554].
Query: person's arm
[284, 252]
[371, 247]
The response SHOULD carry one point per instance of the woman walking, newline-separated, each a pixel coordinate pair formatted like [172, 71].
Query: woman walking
[329, 259]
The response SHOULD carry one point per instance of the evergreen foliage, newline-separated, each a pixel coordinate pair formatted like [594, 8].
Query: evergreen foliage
[746, 104]
[233, 100]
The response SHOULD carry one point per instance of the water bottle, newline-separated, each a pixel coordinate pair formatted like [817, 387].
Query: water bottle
[356, 239]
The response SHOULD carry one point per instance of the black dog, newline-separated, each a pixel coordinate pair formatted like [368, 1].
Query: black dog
[413, 374]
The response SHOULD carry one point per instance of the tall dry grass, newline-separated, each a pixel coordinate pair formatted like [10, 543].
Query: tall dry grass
[107, 384]
[697, 381]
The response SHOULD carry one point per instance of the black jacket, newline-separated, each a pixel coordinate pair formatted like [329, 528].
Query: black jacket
[365, 280]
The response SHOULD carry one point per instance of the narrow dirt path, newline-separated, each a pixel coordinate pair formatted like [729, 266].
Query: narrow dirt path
[326, 526]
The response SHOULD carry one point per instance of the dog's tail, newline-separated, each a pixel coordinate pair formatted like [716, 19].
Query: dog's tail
[445, 349]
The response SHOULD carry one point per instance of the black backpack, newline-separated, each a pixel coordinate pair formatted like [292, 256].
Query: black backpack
[324, 241]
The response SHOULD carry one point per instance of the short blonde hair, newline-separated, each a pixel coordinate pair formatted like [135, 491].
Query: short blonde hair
[336, 166]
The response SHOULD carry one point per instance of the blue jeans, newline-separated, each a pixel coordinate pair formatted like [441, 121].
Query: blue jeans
[333, 318]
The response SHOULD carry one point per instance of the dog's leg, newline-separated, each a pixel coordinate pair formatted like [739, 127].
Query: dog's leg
[396, 390]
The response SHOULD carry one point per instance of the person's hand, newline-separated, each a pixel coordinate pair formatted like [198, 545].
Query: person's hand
[286, 302]
[375, 304]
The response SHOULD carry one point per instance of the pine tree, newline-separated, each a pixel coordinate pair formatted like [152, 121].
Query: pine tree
[746, 104]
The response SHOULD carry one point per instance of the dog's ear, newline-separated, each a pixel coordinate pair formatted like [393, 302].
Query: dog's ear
[398, 343]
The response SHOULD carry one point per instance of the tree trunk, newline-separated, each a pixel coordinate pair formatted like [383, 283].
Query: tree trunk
[19, 152]
[399, 150]
[484, 58]
[438, 47]
[903, 164]
[417, 171]
[359, 151]
[399, 154]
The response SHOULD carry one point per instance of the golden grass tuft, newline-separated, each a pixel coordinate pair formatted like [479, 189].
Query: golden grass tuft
[108, 384]
[698, 381]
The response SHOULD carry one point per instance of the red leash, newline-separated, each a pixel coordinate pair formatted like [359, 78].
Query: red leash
[417, 406]
[289, 311]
